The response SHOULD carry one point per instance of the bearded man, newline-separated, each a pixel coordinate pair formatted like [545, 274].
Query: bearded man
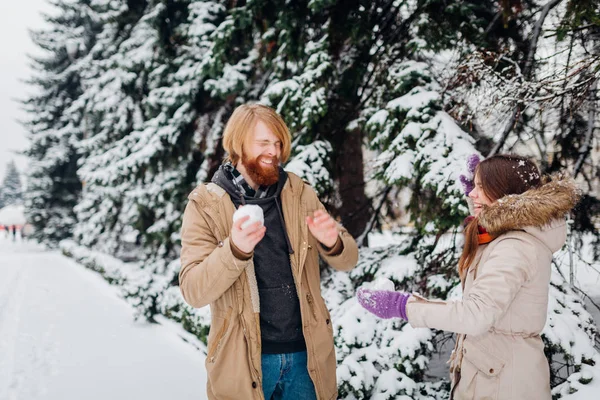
[271, 334]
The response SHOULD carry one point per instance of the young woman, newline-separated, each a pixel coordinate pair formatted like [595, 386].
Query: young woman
[505, 269]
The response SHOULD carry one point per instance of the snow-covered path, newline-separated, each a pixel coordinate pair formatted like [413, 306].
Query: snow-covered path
[65, 334]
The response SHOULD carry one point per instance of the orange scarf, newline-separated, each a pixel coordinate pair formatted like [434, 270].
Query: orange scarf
[484, 238]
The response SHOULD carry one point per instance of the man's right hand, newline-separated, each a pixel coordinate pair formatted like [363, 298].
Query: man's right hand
[246, 239]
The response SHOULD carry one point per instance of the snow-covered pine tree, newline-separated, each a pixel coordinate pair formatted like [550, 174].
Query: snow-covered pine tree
[52, 183]
[115, 77]
[153, 132]
[11, 191]
[418, 146]
[365, 87]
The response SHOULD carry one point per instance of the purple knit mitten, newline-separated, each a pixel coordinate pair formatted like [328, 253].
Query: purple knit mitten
[383, 303]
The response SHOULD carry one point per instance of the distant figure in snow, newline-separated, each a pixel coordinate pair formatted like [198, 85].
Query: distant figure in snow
[518, 222]
[271, 335]
[14, 232]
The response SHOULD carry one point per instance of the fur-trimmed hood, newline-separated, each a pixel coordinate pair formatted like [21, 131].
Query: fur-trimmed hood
[537, 211]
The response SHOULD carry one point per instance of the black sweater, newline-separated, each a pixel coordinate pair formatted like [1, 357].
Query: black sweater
[280, 319]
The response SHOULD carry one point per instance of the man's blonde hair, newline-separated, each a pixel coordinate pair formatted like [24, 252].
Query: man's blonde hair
[241, 124]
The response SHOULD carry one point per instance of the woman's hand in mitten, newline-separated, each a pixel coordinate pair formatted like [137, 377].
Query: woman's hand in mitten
[384, 303]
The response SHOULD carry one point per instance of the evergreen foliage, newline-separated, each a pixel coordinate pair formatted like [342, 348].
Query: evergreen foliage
[55, 125]
[11, 191]
[385, 100]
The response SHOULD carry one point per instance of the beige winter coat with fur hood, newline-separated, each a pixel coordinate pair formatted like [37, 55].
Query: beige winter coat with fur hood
[211, 274]
[499, 353]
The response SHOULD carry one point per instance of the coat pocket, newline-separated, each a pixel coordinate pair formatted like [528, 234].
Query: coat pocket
[479, 374]
[311, 306]
[228, 372]
[215, 345]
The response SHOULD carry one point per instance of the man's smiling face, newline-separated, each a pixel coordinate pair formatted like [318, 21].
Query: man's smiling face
[262, 153]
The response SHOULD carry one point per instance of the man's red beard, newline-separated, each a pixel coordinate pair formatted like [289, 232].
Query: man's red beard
[261, 174]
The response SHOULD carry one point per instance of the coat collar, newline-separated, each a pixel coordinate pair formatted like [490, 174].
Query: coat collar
[293, 185]
[535, 208]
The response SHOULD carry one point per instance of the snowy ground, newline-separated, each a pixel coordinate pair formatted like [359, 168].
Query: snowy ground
[65, 334]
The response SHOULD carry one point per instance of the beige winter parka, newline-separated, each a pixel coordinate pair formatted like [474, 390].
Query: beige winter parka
[211, 274]
[499, 353]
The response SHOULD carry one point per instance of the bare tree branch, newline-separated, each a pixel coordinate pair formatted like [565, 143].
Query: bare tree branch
[584, 151]
[526, 73]
[362, 239]
[507, 129]
[537, 30]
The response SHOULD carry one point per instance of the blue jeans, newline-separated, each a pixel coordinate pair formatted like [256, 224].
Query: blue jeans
[285, 377]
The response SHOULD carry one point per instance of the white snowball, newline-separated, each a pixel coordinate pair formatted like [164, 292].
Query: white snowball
[254, 211]
[383, 284]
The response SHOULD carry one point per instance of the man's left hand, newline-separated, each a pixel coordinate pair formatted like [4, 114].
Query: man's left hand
[324, 228]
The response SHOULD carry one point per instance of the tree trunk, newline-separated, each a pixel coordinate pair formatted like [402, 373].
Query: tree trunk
[351, 57]
[355, 208]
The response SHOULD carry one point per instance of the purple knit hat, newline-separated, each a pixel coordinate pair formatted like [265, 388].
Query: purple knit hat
[467, 180]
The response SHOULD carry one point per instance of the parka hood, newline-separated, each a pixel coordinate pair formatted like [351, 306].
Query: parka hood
[539, 211]
[221, 178]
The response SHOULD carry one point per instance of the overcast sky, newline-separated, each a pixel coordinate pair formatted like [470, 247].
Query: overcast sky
[17, 17]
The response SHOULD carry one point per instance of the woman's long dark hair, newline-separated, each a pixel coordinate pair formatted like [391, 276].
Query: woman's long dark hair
[500, 175]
